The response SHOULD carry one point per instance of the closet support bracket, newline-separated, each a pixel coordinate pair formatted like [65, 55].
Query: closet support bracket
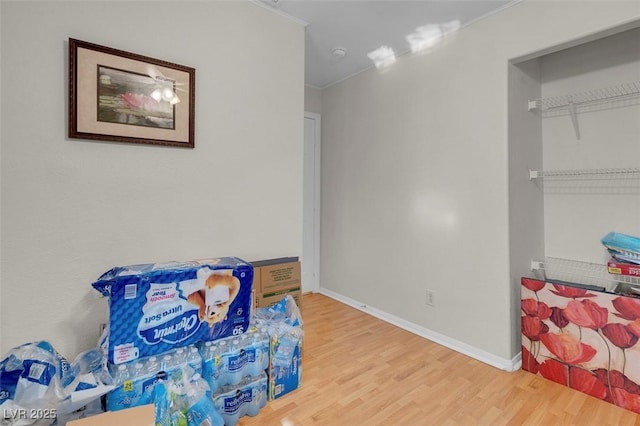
[574, 119]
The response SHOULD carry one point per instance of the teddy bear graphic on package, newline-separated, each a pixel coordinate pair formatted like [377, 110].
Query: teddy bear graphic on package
[212, 292]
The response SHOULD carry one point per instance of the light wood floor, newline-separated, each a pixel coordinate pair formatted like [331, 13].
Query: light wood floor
[359, 370]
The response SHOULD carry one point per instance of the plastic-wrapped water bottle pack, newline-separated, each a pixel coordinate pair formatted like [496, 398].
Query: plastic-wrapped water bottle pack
[228, 361]
[243, 399]
[183, 398]
[135, 380]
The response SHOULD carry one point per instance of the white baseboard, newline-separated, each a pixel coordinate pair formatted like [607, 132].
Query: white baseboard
[479, 354]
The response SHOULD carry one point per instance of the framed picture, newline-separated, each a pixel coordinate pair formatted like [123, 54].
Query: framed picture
[124, 97]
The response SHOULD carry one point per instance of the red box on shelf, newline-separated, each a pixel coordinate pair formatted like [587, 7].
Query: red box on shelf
[620, 268]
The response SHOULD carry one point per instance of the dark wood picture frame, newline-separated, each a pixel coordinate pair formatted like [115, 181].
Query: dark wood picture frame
[119, 96]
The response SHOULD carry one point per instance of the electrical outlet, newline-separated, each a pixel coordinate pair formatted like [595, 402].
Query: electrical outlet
[430, 298]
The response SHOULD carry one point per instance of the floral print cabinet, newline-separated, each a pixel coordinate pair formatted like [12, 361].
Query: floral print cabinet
[586, 340]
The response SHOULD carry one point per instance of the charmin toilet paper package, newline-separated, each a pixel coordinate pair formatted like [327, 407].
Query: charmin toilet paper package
[154, 308]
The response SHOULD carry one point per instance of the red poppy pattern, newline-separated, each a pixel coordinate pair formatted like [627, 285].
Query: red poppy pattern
[586, 313]
[619, 335]
[536, 309]
[557, 317]
[533, 285]
[567, 348]
[582, 339]
[533, 327]
[627, 307]
[568, 291]
[634, 327]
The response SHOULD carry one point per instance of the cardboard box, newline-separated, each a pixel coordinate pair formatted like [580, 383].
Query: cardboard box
[257, 287]
[143, 415]
[273, 279]
[154, 308]
[277, 274]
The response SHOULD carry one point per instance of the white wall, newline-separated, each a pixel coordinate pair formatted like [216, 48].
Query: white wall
[526, 201]
[312, 99]
[72, 209]
[415, 175]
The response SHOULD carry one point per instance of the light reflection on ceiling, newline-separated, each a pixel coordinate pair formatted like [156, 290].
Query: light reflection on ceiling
[362, 26]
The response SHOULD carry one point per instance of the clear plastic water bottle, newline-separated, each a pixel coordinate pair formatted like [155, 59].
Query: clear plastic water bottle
[261, 343]
[223, 347]
[255, 366]
[205, 351]
[245, 340]
[199, 384]
[153, 366]
[237, 362]
[161, 404]
[213, 351]
[123, 395]
[261, 387]
[209, 372]
[122, 374]
[194, 359]
[180, 357]
[200, 407]
[258, 388]
[138, 370]
[267, 348]
[166, 363]
[222, 363]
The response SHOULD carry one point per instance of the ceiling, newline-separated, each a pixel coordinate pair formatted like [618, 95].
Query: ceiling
[362, 26]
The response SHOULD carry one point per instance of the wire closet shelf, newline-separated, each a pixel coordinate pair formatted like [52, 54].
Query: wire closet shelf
[592, 100]
[632, 172]
[620, 92]
[583, 273]
[589, 181]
